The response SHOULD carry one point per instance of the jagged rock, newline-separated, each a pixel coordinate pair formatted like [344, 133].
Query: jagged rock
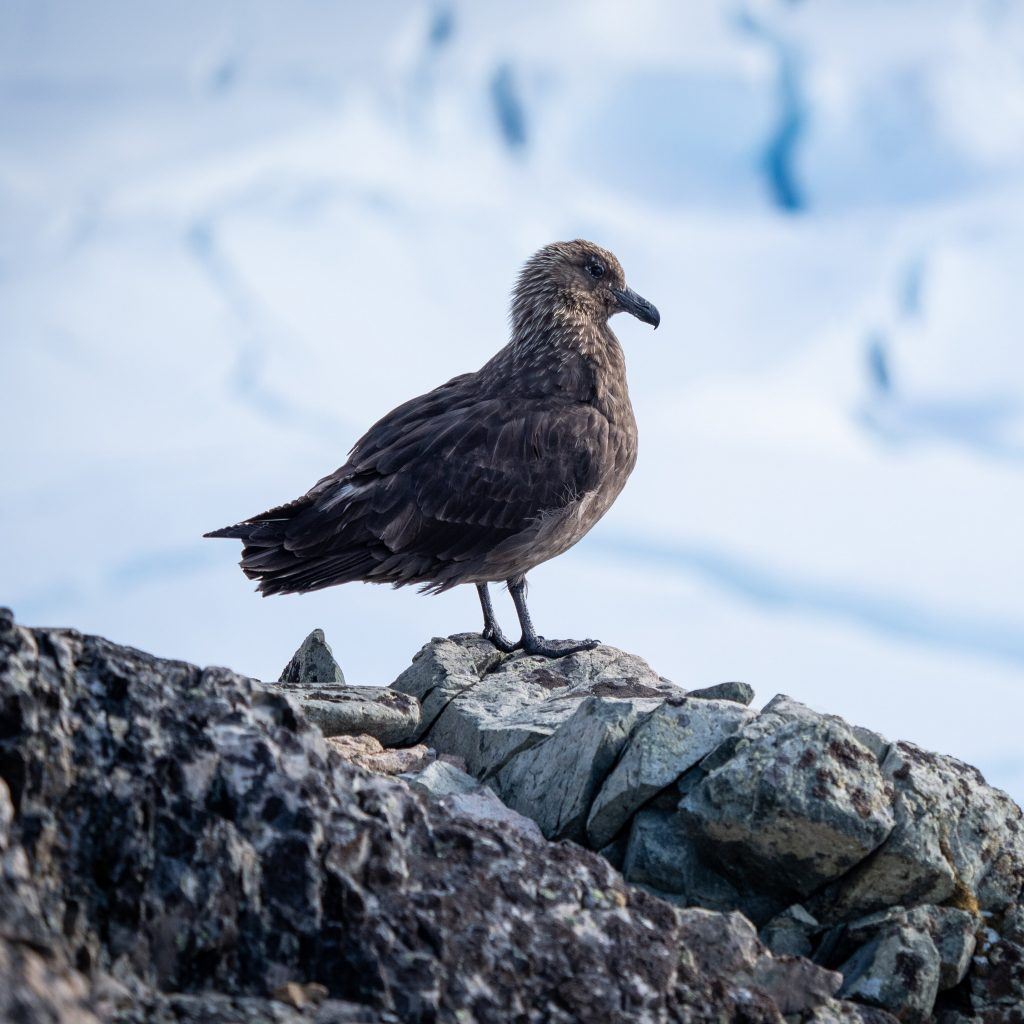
[795, 985]
[740, 693]
[486, 707]
[461, 794]
[188, 833]
[674, 737]
[952, 931]
[901, 958]
[793, 801]
[367, 752]
[378, 711]
[313, 662]
[955, 839]
[555, 781]
[661, 856]
[441, 671]
[791, 932]
[997, 973]
[898, 971]
[440, 779]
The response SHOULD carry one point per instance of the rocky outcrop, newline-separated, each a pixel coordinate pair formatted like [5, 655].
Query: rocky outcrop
[898, 869]
[179, 844]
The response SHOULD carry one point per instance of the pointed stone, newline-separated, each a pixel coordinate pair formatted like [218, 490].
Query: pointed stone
[313, 662]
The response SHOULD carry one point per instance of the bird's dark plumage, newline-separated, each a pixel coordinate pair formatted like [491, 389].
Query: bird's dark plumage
[488, 475]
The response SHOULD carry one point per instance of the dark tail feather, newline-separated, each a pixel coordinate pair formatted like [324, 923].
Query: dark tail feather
[267, 526]
[279, 570]
[240, 531]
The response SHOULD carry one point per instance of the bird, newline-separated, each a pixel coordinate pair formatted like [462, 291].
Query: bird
[487, 476]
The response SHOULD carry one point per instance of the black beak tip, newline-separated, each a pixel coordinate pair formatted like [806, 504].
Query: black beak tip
[638, 306]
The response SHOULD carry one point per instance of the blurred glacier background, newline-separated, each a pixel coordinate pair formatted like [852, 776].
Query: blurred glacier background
[234, 234]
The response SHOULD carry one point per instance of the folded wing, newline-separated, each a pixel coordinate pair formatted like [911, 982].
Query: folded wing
[429, 493]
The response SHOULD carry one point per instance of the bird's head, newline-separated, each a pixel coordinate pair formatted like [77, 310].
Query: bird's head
[577, 282]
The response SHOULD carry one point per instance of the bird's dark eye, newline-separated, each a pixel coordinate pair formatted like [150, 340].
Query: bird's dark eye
[595, 268]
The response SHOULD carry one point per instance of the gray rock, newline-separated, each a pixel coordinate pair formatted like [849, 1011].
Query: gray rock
[496, 708]
[794, 802]
[313, 662]
[951, 930]
[463, 796]
[898, 971]
[439, 778]
[661, 855]
[875, 742]
[442, 670]
[1012, 924]
[615, 851]
[791, 933]
[996, 979]
[214, 851]
[795, 985]
[740, 693]
[485, 807]
[956, 840]
[387, 715]
[671, 739]
[555, 781]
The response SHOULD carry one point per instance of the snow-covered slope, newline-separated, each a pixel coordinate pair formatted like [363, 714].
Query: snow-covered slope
[235, 235]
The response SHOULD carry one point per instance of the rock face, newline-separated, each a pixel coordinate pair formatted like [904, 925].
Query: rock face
[182, 845]
[898, 869]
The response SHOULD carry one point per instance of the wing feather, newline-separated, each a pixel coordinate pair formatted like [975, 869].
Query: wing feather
[438, 483]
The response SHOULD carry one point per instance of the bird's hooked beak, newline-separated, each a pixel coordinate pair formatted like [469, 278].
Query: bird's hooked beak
[630, 302]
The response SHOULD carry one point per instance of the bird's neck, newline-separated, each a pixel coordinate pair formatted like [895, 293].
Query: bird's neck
[574, 357]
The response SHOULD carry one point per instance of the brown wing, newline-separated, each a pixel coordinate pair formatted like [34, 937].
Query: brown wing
[441, 480]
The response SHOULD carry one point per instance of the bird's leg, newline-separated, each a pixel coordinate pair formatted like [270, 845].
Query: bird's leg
[533, 644]
[492, 631]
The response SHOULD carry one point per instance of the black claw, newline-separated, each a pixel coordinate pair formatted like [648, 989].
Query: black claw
[500, 641]
[556, 648]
